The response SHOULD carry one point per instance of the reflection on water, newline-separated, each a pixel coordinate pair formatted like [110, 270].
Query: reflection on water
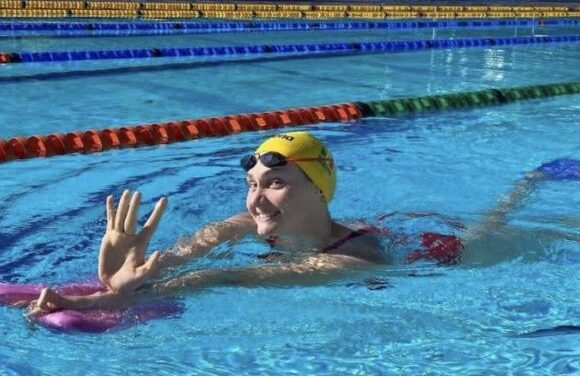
[494, 63]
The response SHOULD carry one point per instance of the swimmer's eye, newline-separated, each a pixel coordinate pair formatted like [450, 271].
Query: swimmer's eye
[277, 183]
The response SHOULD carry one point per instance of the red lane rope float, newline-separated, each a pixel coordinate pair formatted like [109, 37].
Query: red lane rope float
[164, 133]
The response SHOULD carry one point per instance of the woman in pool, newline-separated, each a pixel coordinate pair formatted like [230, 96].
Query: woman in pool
[291, 178]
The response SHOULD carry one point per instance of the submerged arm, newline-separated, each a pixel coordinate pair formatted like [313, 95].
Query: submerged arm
[206, 239]
[498, 216]
[314, 270]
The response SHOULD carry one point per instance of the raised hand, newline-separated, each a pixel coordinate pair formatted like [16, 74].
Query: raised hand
[122, 265]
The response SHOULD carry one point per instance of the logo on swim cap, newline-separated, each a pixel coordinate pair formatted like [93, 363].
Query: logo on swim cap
[285, 137]
[303, 145]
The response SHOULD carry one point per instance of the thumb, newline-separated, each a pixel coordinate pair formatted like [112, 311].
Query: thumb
[150, 266]
[47, 301]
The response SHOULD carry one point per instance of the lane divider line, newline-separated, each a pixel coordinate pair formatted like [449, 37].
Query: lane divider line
[287, 49]
[176, 131]
[165, 28]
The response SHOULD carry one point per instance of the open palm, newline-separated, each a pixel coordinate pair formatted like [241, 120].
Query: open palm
[122, 264]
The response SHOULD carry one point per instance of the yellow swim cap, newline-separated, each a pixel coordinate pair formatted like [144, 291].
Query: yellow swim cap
[303, 145]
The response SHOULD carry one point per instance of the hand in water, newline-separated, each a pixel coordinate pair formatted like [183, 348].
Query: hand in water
[47, 302]
[50, 301]
[122, 265]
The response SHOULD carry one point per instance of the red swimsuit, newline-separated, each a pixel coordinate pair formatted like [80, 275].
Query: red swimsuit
[444, 249]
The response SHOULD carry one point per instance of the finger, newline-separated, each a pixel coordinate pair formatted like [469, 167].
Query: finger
[44, 299]
[154, 218]
[122, 211]
[150, 267]
[110, 213]
[131, 220]
[34, 310]
[41, 306]
[151, 264]
[21, 304]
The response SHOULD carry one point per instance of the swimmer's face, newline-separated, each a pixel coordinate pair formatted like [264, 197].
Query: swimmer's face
[280, 199]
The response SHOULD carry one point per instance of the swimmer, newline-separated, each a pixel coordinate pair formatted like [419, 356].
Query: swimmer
[291, 179]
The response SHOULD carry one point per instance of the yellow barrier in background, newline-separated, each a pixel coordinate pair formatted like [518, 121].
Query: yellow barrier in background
[421, 8]
[396, 8]
[54, 5]
[254, 7]
[213, 7]
[104, 13]
[112, 5]
[471, 15]
[331, 8]
[11, 4]
[450, 8]
[402, 14]
[227, 15]
[324, 15]
[190, 9]
[277, 14]
[365, 8]
[34, 13]
[160, 14]
[166, 6]
[367, 15]
[476, 9]
[294, 7]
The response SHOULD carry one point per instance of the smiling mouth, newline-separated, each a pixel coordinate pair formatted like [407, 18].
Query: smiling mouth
[267, 217]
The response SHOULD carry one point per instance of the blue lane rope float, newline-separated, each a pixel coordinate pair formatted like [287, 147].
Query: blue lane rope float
[301, 49]
[147, 28]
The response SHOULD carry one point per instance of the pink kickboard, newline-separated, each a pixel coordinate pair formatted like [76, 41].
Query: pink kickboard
[91, 321]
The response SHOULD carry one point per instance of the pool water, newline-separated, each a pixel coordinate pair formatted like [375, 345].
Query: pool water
[425, 171]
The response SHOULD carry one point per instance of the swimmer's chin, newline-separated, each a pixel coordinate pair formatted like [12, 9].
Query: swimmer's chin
[267, 229]
[265, 232]
[267, 225]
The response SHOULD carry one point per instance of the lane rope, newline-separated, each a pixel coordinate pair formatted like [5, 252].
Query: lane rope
[286, 49]
[62, 29]
[163, 133]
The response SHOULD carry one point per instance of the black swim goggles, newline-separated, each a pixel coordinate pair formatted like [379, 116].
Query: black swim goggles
[273, 159]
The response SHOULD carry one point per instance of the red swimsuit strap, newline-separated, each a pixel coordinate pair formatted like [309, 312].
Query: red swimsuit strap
[352, 235]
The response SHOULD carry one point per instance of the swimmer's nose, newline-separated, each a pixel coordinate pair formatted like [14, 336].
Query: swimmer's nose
[257, 197]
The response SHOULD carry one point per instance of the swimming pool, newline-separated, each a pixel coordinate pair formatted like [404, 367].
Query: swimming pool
[406, 320]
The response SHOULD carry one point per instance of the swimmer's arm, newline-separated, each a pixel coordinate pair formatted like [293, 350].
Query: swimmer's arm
[313, 270]
[497, 217]
[207, 238]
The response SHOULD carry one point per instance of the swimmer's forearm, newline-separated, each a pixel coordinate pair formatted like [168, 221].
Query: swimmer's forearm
[99, 300]
[185, 252]
[205, 240]
[234, 277]
[498, 216]
[315, 271]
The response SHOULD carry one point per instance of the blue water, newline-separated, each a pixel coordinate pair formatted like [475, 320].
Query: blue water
[454, 166]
